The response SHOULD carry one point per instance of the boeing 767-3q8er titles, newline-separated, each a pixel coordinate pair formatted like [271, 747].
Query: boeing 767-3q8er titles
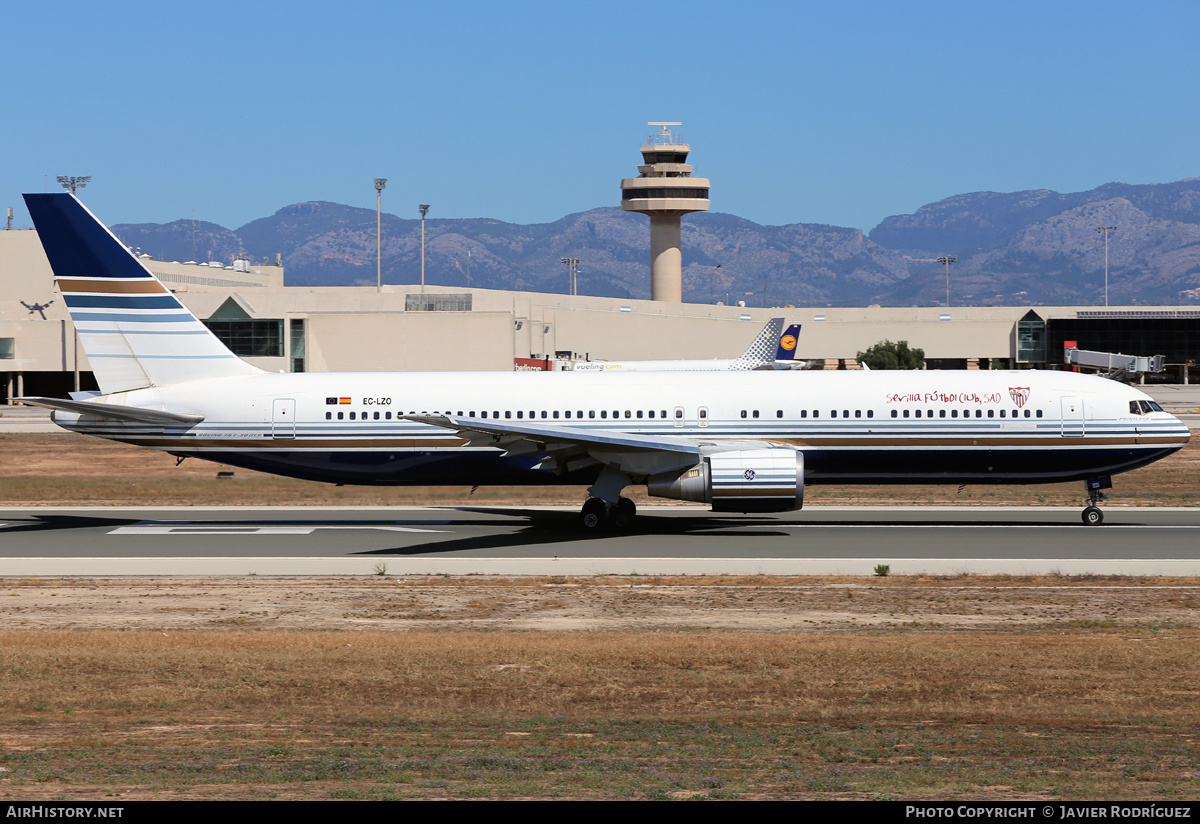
[741, 441]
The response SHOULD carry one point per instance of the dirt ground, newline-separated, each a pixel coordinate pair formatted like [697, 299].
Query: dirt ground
[604, 603]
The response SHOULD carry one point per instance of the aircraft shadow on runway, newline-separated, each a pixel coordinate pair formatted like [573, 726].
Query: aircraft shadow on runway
[44, 523]
[562, 528]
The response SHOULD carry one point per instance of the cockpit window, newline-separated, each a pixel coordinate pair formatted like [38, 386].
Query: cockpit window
[1153, 405]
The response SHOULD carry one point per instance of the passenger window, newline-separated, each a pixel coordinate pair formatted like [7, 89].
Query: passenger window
[870, 413]
[756, 413]
[906, 413]
[328, 416]
[388, 415]
[918, 413]
[1002, 413]
[1039, 413]
[520, 414]
[543, 413]
[340, 414]
[352, 416]
[858, 413]
[591, 413]
[508, 413]
[816, 413]
[743, 413]
[375, 416]
[652, 413]
[804, 413]
[604, 413]
[556, 414]
[627, 414]
[1027, 413]
[894, 413]
[568, 413]
[483, 414]
[941, 413]
[779, 413]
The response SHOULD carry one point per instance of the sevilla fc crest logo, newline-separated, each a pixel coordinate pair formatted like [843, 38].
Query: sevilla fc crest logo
[1019, 394]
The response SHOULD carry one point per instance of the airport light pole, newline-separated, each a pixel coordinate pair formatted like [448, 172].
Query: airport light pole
[572, 274]
[1105, 230]
[380, 185]
[424, 208]
[947, 259]
[71, 182]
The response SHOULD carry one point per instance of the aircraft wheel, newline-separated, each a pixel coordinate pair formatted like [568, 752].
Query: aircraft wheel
[1092, 516]
[594, 515]
[624, 514]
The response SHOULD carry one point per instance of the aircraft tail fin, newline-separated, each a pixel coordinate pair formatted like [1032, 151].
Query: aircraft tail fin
[758, 353]
[135, 332]
[787, 343]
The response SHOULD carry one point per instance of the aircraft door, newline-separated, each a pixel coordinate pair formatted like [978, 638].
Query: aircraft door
[283, 418]
[1072, 418]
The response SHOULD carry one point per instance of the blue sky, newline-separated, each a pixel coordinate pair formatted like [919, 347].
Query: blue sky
[529, 111]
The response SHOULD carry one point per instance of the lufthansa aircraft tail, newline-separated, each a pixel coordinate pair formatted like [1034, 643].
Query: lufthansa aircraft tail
[135, 332]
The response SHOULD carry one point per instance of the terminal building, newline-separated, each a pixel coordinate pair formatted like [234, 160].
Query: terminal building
[403, 328]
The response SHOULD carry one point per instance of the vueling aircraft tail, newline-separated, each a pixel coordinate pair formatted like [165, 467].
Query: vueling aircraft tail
[758, 353]
[135, 332]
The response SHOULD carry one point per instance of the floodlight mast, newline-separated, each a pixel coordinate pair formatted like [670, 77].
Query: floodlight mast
[71, 182]
[424, 209]
[947, 259]
[380, 185]
[572, 275]
[1105, 230]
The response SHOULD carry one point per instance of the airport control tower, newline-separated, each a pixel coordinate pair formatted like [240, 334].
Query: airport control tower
[665, 190]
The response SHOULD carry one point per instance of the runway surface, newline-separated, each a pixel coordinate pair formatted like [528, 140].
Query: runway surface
[545, 541]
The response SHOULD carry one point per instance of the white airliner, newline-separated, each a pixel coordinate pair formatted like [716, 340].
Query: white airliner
[773, 348]
[740, 441]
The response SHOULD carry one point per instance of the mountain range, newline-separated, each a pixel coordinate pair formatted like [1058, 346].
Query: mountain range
[1032, 247]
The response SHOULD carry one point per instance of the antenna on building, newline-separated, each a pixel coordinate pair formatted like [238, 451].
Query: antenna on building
[10, 213]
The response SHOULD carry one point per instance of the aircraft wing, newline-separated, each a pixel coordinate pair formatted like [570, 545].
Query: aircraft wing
[571, 448]
[114, 411]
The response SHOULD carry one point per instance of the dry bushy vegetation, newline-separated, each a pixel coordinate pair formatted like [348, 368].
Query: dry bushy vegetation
[68, 469]
[1062, 688]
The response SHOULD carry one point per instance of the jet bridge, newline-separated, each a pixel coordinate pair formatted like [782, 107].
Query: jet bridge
[1113, 364]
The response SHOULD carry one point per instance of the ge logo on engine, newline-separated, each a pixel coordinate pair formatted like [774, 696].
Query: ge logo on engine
[748, 474]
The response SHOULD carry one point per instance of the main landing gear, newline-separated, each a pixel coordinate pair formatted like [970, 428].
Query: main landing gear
[598, 514]
[1092, 515]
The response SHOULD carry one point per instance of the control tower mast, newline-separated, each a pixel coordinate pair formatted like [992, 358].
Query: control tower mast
[665, 190]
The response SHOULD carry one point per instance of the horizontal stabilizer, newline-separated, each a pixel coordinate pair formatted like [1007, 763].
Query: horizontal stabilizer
[114, 411]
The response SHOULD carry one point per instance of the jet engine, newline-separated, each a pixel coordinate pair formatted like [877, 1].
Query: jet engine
[747, 480]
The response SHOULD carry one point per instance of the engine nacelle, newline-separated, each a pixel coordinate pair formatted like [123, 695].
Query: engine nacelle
[748, 480]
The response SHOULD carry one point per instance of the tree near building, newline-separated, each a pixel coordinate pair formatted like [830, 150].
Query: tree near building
[888, 355]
